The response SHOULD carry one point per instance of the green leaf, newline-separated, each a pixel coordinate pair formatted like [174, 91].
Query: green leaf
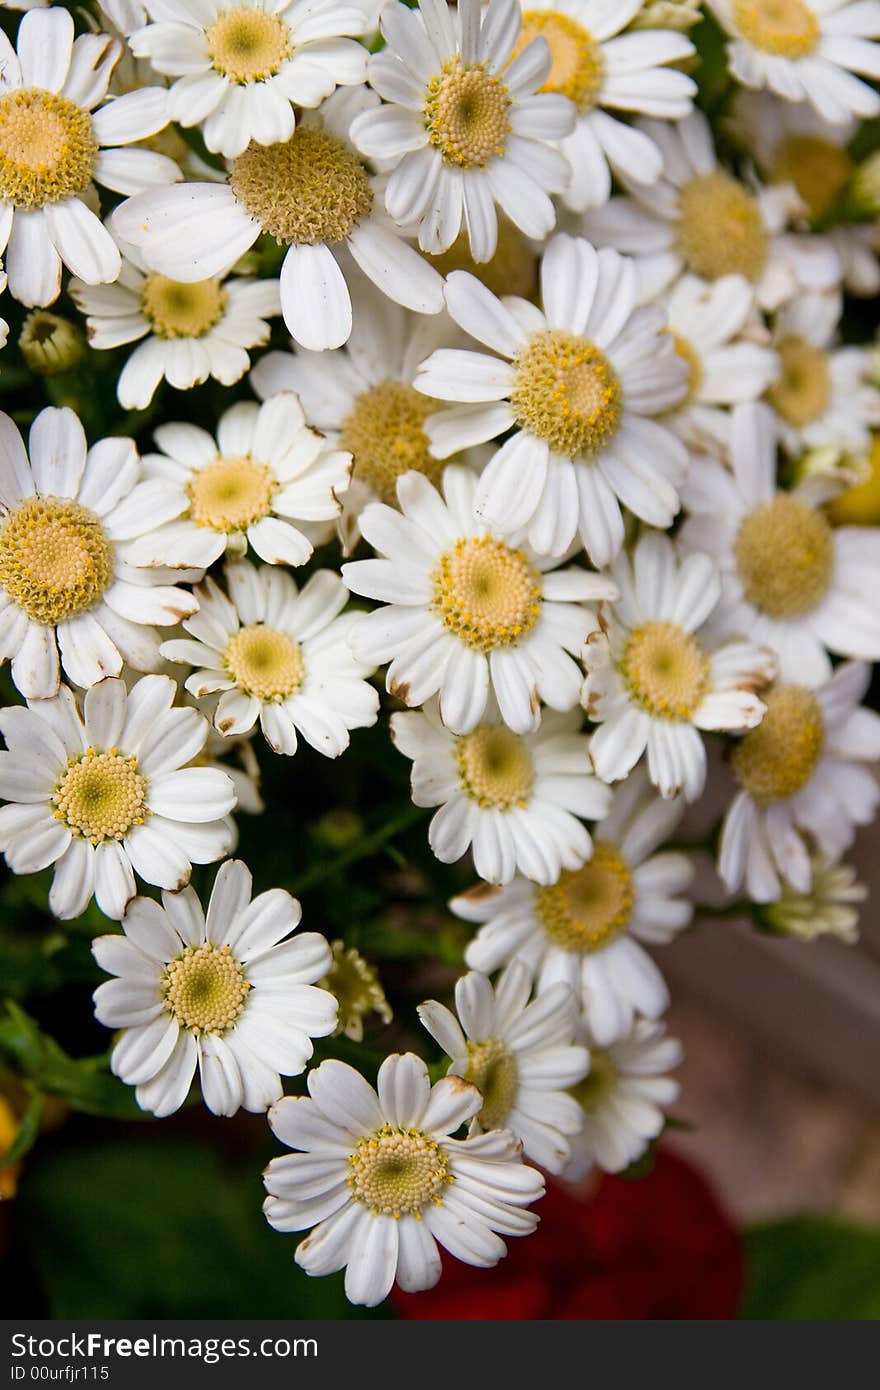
[808, 1269]
[28, 1129]
[84, 1083]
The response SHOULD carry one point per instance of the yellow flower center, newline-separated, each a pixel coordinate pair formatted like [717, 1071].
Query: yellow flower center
[248, 45]
[101, 795]
[176, 310]
[486, 593]
[785, 557]
[47, 148]
[492, 1069]
[818, 169]
[205, 989]
[589, 907]
[566, 392]
[264, 662]
[494, 767]
[803, 391]
[398, 1172]
[230, 494]
[576, 68]
[685, 349]
[778, 758]
[55, 558]
[312, 188]
[385, 434]
[720, 229]
[666, 670]
[592, 1093]
[860, 505]
[357, 988]
[785, 28]
[512, 270]
[466, 115]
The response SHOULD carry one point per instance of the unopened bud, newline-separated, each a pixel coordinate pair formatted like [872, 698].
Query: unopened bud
[668, 14]
[50, 344]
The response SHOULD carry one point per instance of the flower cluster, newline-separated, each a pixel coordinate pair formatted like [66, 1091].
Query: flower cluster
[560, 476]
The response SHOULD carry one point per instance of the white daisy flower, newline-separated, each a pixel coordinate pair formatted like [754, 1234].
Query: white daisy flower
[383, 1184]
[806, 50]
[589, 928]
[799, 775]
[790, 580]
[698, 217]
[186, 332]
[519, 1054]
[108, 793]
[362, 397]
[623, 1100]
[239, 67]
[659, 674]
[515, 800]
[576, 383]
[312, 193]
[791, 144]
[823, 397]
[707, 323]
[463, 124]
[598, 67]
[280, 656]
[229, 990]
[831, 907]
[469, 614]
[68, 583]
[265, 482]
[53, 149]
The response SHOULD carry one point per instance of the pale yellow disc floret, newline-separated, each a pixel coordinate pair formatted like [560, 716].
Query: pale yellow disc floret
[492, 1069]
[486, 593]
[566, 392]
[784, 28]
[777, 759]
[595, 1089]
[101, 796]
[398, 1172]
[720, 229]
[494, 767]
[205, 989]
[248, 45]
[803, 391]
[588, 907]
[358, 991]
[177, 310]
[512, 270]
[55, 558]
[666, 670]
[310, 189]
[231, 494]
[264, 662]
[576, 66]
[47, 148]
[685, 349]
[385, 434]
[467, 114]
[785, 557]
[819, 169]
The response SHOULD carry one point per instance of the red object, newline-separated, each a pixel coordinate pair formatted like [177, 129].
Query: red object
[654, 1247]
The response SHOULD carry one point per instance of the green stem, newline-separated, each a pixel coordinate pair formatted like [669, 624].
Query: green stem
[724, 911]
[360, 849]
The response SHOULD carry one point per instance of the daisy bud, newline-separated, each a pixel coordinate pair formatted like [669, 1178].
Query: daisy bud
[358, 990]
[50, 344]
[668, 14]
[830, 908]
[865, 187]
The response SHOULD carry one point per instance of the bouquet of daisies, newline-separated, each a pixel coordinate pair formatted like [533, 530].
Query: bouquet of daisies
[524, 493]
